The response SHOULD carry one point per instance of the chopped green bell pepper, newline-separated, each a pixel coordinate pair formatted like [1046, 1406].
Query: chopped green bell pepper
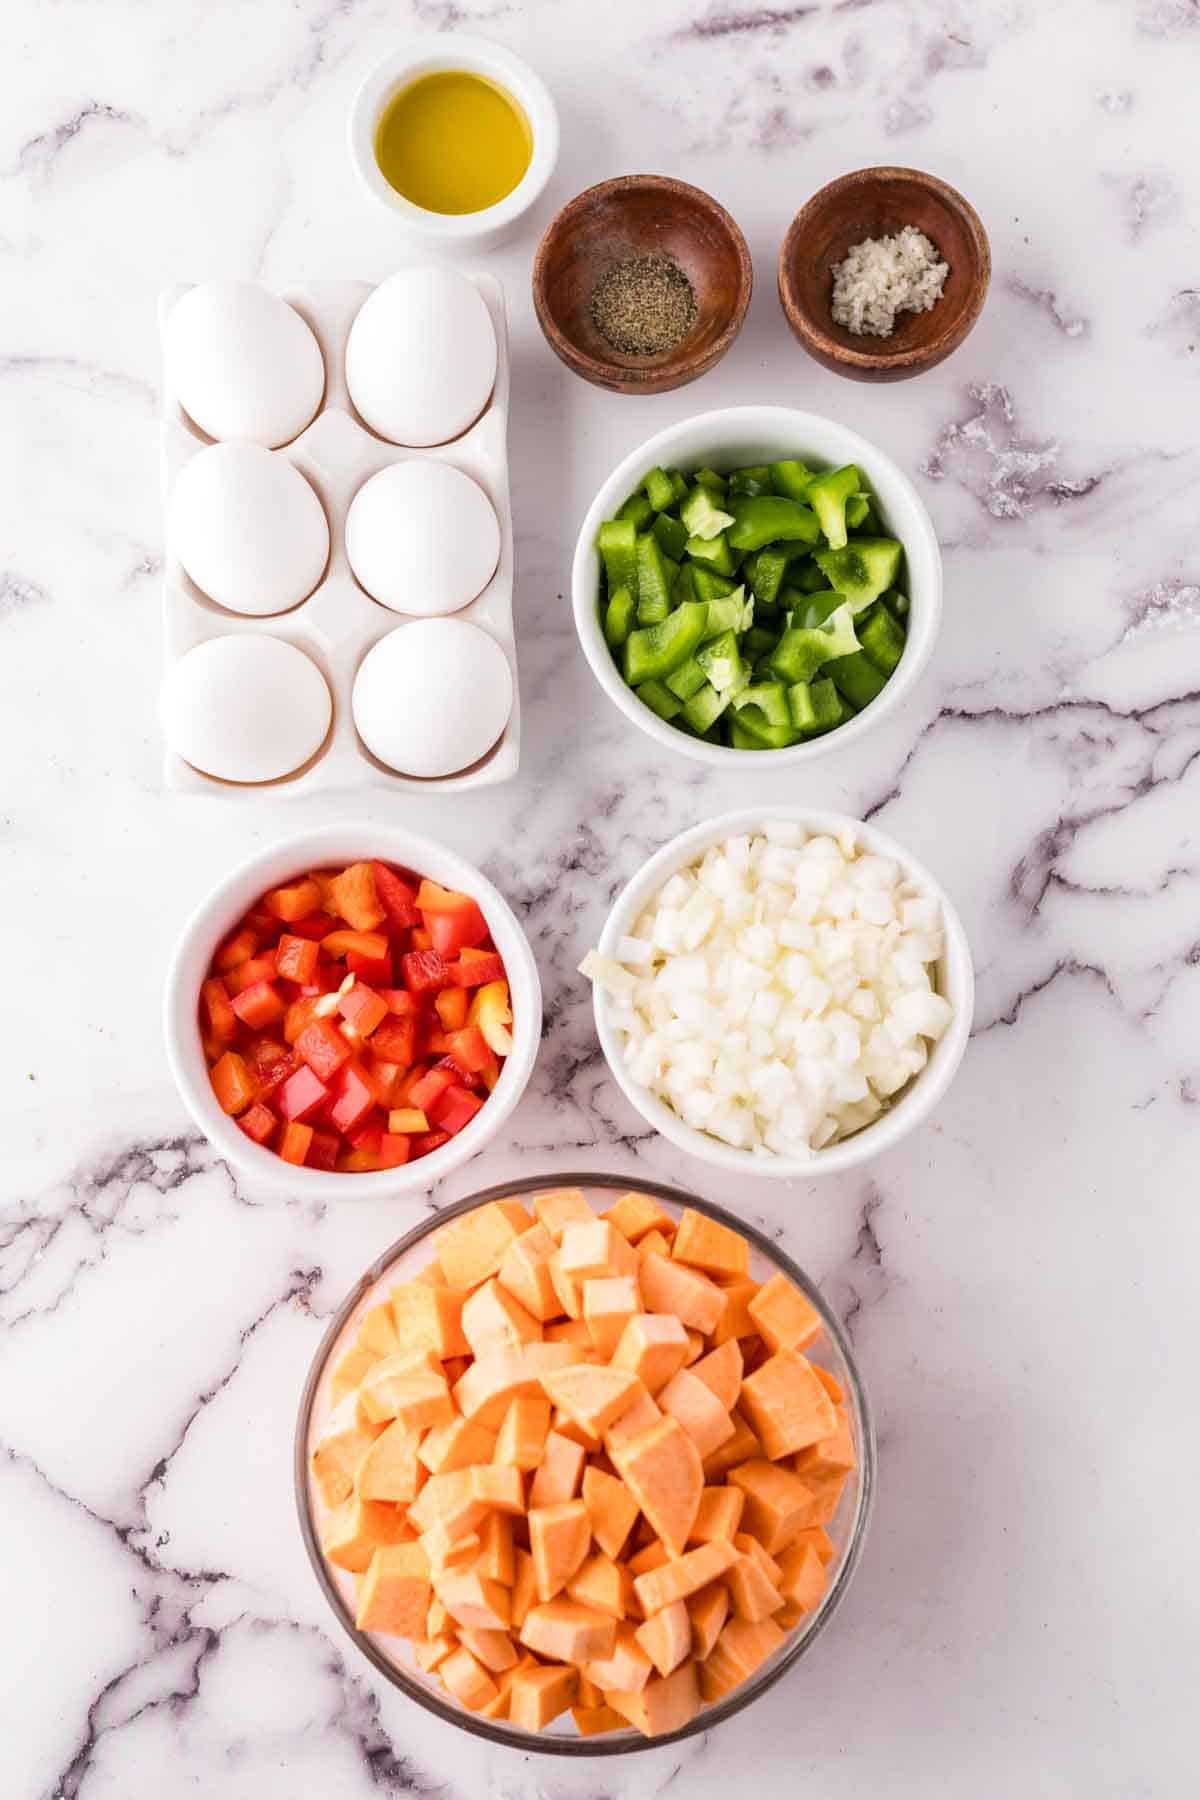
[770, 566]
[714, 553]
[882, 639]
[708, 584]
[732, 612]
[898, 604]
[701, 516]
[751, 481]
[659, 699]
[660, 490]
[619, 616]
[687, 679]
[759, 642]
[722, 663]
[762, 710]
[685, 585]
[709, 478]
[671, 534]
[638, 509]
[816, 706]
[616, 541]
[768, 519]
[791, 479]
[813, 609]
[704, 709]
[653, 579]
[802, 650]
[862, 570]
[856, 679]
[827, 495]
[652, 652]
[807, 577]
[858, 511]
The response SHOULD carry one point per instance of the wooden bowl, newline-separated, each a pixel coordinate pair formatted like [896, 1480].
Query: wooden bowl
[635, 215]
[874, 203]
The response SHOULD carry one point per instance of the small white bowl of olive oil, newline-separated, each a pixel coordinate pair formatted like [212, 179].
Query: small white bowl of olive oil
[456, 136]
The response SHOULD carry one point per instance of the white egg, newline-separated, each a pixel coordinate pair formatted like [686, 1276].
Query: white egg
[422, 537]
[248, 528]
[243, 363]
[248, 708]
[432, 697]
[421, 356]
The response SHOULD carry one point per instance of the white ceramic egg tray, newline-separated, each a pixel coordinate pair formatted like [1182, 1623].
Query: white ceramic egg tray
[339, 622]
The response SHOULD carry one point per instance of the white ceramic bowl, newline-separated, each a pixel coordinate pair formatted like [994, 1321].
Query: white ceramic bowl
[727, 440]
[955, 982]
[215, 918]
[419, 56]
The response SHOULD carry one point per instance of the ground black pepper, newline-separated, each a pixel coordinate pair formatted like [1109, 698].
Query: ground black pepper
[644, 305]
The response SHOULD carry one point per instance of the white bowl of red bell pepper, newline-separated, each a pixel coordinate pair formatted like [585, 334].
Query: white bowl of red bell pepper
[353, 1012]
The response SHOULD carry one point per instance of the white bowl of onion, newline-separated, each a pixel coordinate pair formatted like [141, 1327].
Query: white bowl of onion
[783, 992]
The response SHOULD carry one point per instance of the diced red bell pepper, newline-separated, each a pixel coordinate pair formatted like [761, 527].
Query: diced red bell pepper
[260, 1005]
[367, 1135]
[356, 1162]
[272, 1063]
[423, 971]
[238, 949]
[451, 1008]
[474, 969]
[301, 1094]
[430, 1088]
[396, 897]
[323, 1150]
[463, 928]
[490, 1074]
[367, 943]
[395, 1041]
[382, 1078]
[354, 895]
[363, 1008]
[393, 1150]
[456, 1108]
[352, 1101]
[435, 1041]
[296, 958]
[315, 925]
[294, 902]
[212, 1047]
[232, 1083]
[403, 1121]
[326, 980]
[293, 1145]
[323, 1047]
[469, 1049]
[376, 971]
[400, 1001]
[258, 968]
[421, 937]
[425, 1142]
[258, 1123]
[222, 1020]
[298, 1015]
[262, 923]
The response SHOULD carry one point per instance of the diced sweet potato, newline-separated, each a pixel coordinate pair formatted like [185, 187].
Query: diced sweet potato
[819, 1538]
[559, 1207]
[559, 1539]
[783, 1317]
[473, 1246]
[737, 1449]
[802, 1576]
[592, 1393]
[684, 1575]
[786, 1404]
[653, 1346]
[665, 1704]
[358, 1528]
[706, 1244]
[611, 1508]
[601, 1583]
[349, 1371]
[779, 1503]
[721, 1370]
[830, 1383]
[742, 1646]
[594, 1721]
[559, 1471]
[537, 1696]
[827, 1491]
[671, 1287]
[572, 1331]
[377, 1331]
[594, 1250]
[718, 1515]
[655, 1243]
[635, 1214]
[735, 1321]
[525, 1273]
[394, 1594]
[568, 1427]
[524, 1586]
[497, 1555]
[698, 1410]
[609, 1303]
[494, 1649]
[446, 1549]
[650, 1556]
[450, 1499]
[418, 1398]
[455, 1445]
[662, 1469]
[640, 1416]
[389, 1469]
[340, 1449]
[753, 1593]
[493, 1320]
[429, 1652]
[707, 1611]
[832, 1455]
[568, 1631]
[489, 1387]
[499, 1485]
[626, 1663]
[666, 1637]
[523, 1434]
[428, 1316]
[590, 1693]
[471, 1599]
[464, 1677]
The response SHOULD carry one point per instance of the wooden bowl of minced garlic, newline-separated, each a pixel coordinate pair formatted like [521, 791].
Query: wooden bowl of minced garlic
[883, 273]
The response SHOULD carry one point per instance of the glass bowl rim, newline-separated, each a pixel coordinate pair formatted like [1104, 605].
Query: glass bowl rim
[496, 1731]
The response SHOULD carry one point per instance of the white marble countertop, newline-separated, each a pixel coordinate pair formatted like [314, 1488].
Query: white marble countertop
[1019, 1278]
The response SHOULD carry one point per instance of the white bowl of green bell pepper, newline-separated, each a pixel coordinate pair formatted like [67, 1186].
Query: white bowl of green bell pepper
[757, 580]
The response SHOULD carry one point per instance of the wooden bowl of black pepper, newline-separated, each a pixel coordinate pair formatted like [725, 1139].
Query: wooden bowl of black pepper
[641, 283]
[877, 204]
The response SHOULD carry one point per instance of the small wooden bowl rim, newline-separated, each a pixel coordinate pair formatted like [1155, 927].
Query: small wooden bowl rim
[609, 373]
[813, 336]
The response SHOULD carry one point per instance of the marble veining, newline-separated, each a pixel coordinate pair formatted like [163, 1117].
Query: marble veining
[1019, 1279]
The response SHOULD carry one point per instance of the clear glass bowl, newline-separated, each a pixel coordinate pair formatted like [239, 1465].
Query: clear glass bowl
[392, 1657]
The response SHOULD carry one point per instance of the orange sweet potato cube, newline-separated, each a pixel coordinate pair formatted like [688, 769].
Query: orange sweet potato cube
[665, 1704]
[751, 1589]
[594, 1721]
[603, 1584]
[537, 1696]
[783, 1317]
[487, 1389]
[819, 1538]
[342, 1446]
[640, 1416]
[464, 1677]
[655, 1243]
[472, 1247]
[524, 1586]
[522, 1437]
[559, 1471]
[559, 1539]
[557, 1208]
[626, 1663]
[377, 1331]
[525, 1273]
[635, 1214]
[496, 1553]
[802, 1576]
[721, 1370]
[609, 1302]
[779, 1503]
[718, 1515]
[568, 1631]
[830, 1456]
[707, 1611]
[698, 1410]
[593, 1394]
[446, 1549]
[671, 1287]
[684, 1575]
[787, 1405]
[494, 1649]
[666, 1637]
[428, 1316]
[829, 1382]
[394, 1594]
[493, 1320]
[594, 1250]
[455, 1445]
[358, 1528]
[448, 1499]
[662, 1469]
[389, 1469]
[742, 1646]
[611, 1508]
[653, 1346]
[416, 1398]
[705, 1243]
[349, 1370]
[735, 1321]
[499, 1485]
[737, 1449]
[471, 1599]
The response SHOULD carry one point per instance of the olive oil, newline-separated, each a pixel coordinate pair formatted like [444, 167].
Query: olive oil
[453, 142]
